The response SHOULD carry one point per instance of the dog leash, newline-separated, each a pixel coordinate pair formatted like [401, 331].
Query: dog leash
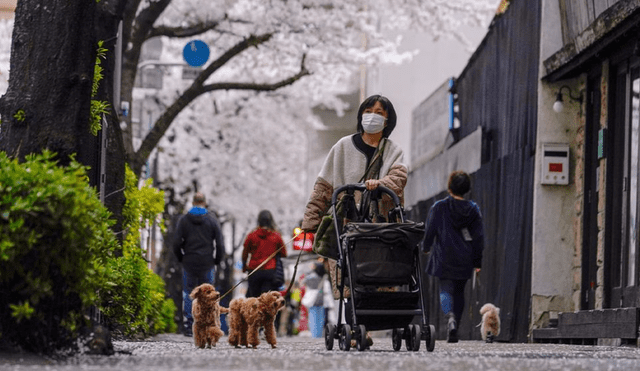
[295, 269]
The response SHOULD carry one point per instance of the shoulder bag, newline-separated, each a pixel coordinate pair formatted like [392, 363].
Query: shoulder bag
[326, 238]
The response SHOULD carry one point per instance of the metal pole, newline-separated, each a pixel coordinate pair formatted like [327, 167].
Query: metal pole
[117, 78]
[102, 181]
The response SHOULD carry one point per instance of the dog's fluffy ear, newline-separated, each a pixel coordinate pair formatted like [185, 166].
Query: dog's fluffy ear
[195, 292]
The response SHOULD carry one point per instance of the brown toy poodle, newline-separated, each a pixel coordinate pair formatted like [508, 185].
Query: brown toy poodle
[206, 315]
[247, 315]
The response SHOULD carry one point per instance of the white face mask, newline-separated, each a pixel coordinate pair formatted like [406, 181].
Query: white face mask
[372, 123]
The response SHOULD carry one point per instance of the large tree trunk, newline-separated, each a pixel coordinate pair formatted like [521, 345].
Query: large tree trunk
[46, 106]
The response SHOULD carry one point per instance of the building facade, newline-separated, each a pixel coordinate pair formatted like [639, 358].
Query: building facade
[549, 104]
[496, 98]
[591, 47]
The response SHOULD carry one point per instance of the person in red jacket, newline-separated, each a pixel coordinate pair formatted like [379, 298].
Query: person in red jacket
[259, 245]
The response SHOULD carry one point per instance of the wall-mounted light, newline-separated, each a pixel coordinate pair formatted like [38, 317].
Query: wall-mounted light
[558, 106]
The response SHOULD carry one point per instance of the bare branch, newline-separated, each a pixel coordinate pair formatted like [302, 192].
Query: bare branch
[243, 45]
[147, 17]
[256, 86]
[195, 90]
[193, 30]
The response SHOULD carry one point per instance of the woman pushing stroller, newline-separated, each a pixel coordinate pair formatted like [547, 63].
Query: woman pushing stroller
[367, 156]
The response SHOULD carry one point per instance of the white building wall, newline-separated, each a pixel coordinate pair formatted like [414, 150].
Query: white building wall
[553, 275]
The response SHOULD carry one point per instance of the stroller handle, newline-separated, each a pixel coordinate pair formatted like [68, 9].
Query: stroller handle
[361, 187]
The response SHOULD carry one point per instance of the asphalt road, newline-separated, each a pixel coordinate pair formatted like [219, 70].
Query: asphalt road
[175, 352]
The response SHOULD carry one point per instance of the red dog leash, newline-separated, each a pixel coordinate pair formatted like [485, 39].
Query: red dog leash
[295, 269]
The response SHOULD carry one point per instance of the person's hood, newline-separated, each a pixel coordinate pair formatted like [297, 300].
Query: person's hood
[462, 212]
[196, 215]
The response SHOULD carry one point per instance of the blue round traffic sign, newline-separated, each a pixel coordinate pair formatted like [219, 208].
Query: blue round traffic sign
[196, 53]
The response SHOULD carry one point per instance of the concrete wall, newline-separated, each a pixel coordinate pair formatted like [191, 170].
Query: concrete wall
[320, 141]
[604, 119]
[431, 178]
[556, 258]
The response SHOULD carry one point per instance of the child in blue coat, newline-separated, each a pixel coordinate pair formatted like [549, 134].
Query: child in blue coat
[455, 237]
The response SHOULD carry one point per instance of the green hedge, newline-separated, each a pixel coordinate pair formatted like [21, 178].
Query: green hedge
[57, 257]
[135, 300]
[55, 242]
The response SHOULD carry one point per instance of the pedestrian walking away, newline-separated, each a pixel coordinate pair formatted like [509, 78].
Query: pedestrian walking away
[454, 236]
[260, 245]
[199, 246]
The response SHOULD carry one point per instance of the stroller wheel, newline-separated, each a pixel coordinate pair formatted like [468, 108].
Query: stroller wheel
[431, 337]
[329, 335]
[345, 337]
[396, 339]
[416, 335]
[361, 337]
[408, 339]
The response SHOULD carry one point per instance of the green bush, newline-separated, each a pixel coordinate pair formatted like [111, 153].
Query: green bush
[55, 243]
[135, 300]
[58, 257]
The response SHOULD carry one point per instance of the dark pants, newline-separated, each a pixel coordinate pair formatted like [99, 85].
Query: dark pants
[452, 297]
[191, 280]
[260, 282]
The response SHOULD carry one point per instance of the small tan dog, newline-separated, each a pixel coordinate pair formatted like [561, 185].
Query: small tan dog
[490, 325]
[206, 311]
[247, 315]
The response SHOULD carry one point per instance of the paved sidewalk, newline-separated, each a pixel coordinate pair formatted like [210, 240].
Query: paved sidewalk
[176, 352]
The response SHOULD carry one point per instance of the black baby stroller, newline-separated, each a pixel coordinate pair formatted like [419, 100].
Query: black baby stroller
[380, 263]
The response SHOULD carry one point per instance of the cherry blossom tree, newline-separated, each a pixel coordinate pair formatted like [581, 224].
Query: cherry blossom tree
[263, 46]
[237, 132]
[305, 51]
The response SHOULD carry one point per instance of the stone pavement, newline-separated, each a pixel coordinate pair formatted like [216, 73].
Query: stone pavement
[176, 352]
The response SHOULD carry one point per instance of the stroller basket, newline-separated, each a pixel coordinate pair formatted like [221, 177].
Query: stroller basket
[386, 300]
[383, 253]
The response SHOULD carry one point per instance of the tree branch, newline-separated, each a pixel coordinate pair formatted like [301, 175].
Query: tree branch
[195, 29]
[243, 45]
[195, 90]
[136, 27]
[259, 87]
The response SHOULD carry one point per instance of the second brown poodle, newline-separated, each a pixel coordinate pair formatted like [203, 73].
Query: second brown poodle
[247, 315]
[206, 310]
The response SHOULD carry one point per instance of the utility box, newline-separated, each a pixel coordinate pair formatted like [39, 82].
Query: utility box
[555, 163]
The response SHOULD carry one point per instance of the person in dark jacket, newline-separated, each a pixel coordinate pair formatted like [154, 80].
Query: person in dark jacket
[199, 246]
[455, 237]
[259, 245]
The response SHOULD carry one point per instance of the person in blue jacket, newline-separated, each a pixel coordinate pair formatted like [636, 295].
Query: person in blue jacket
[455, 237]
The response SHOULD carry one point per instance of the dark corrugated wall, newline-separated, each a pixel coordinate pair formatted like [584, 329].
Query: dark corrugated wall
[498, 91]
